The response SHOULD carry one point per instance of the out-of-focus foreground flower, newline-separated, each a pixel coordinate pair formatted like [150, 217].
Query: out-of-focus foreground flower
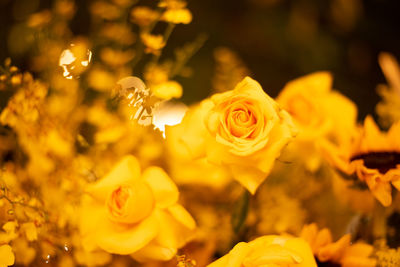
[269, 251]
[127, 212]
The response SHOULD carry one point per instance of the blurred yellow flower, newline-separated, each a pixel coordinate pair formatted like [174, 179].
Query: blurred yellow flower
[39, 19]
[131, 213]
[105, 10]
[318, 112]
[119, 33]
[177, 16]
[155, 74]
[144, 16]
[24, 254]
[116, 58]
[373, 156]
[243, 130]
[100, 79]
[389, 108]
[315, 108]
[167, 90]
[153, 43]
[271, 251]
[172, 4]
[6, 256]
[340, 252]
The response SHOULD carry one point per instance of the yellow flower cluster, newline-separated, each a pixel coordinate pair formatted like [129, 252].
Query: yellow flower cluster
[102, 165]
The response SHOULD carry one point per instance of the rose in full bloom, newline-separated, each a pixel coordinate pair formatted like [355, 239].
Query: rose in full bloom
[269, 251]
[243, 130]
[127, 212]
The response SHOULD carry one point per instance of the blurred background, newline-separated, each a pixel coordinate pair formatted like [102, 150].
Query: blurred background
[277, 40]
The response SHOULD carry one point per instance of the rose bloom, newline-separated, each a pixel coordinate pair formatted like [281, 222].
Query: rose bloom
[316, 109]
[243, 130]
[269, 251]
[129, 213]
[318, 112]
[369, 158]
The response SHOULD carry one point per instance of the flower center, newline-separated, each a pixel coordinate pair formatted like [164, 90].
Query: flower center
[302, 109]
[241, 120]
[382, 161]
[130, 204]
[327, 264]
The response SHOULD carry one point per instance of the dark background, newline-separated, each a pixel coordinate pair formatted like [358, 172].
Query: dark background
[278, 40]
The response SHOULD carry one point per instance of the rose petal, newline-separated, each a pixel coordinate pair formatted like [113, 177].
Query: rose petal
[154, 251]
[125, 172]
[181, 215]
[250, 178]
[125, 239]
[164, 189]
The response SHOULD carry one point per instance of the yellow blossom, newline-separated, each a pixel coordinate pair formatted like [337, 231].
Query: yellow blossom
[101, 80]
[105, 10]
[115, 57]
[269, 251]
[318, 112]
[153, 43]
[131, 213]
[172, 4]
[314, 106]
[6, 256]
[30, 231]
[143, 15]
[177, 16]
[370, 155]
[389, 108]
[10, 232]
[167, 90]
[119, 33]
[243, 130]
[155, 74]
[339, 252]
[39, 19]
[24, 254]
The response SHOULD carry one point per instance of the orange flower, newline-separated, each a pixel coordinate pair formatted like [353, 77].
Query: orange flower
[372, 156]
[339, 252]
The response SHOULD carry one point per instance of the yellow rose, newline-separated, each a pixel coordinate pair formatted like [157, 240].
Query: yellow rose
[316, 109]
[271, 251]
[243, 130]
[129, 213]
[318, 112]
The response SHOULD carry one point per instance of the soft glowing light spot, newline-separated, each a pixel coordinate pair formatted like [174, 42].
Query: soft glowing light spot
[74, 60]
[168, 113]
[47, 259]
